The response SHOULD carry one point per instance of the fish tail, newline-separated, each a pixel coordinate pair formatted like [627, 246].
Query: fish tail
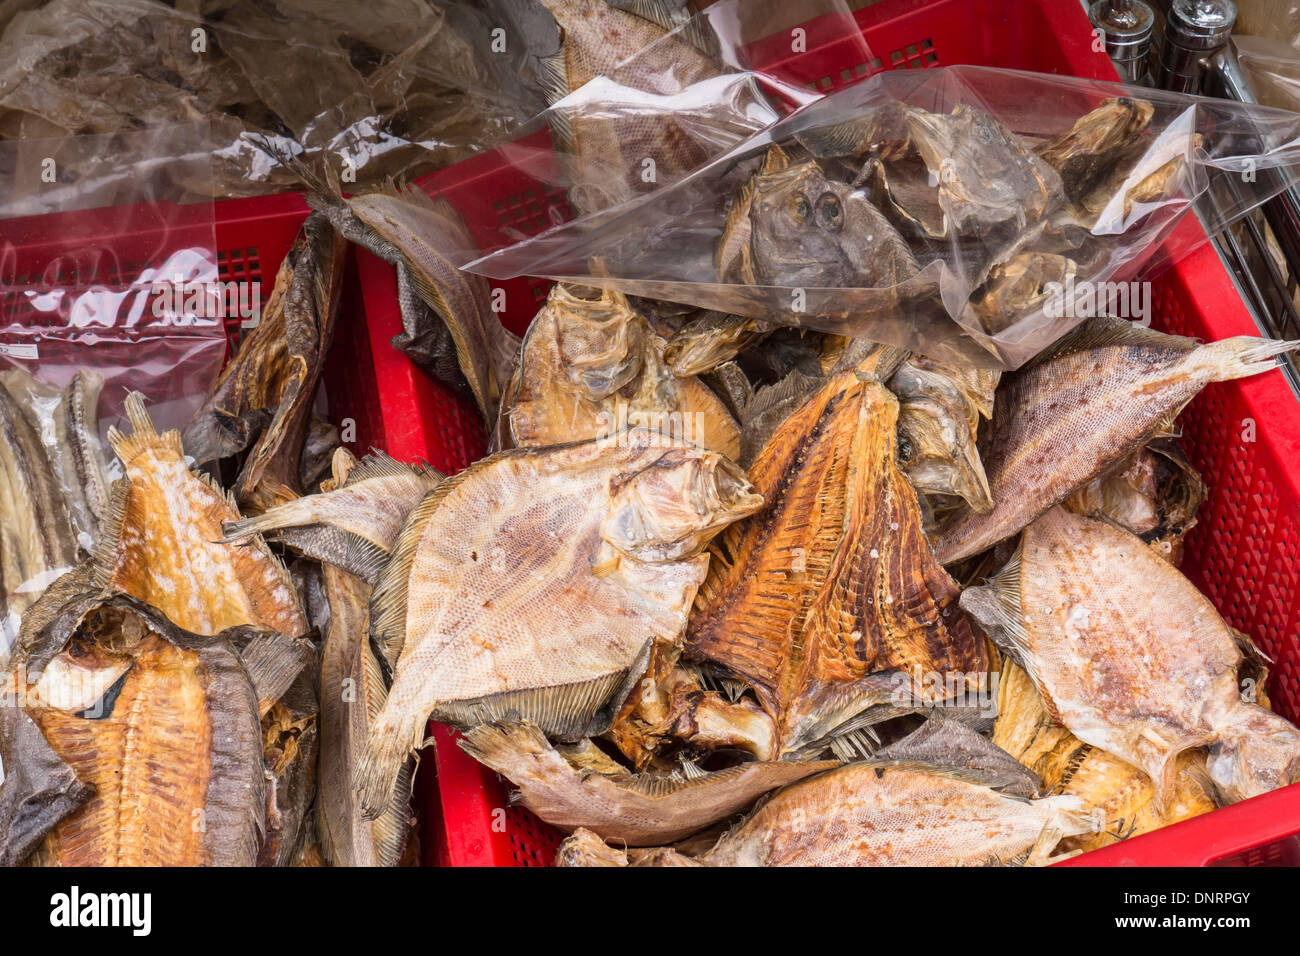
[291, 514]
[1068, 816]
[378, 776]
[1242, 356]
[143, 433]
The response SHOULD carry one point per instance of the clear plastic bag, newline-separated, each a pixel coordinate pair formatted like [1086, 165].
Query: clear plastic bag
[958, 212]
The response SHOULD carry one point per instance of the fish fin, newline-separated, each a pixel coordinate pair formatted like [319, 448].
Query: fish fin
[378, 776]
[104, 559]
[1069, 817]
[732, 259]
[379, 465]
[976, 776]
[391, 829]
[143, 433]
[676, 19]
[997, 608]
[553, 77]
[1108, 330]
[388, 600]
[951, 744]
[854, 745]
[775, 160]
[1239, 357]
[271, 659]
[566, 712]
[291, 514]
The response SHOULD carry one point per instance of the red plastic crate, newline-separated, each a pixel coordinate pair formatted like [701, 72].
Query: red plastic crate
[1242, 554]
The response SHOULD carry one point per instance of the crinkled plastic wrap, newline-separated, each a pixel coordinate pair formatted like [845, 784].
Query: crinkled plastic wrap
[369, 89]
[1273, 69]
[968, 213]
[108, 283]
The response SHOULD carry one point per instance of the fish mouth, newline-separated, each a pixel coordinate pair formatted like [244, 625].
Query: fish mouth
[724, 492]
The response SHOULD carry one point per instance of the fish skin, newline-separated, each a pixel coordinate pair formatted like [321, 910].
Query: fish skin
[1116, 795]
[162, 545]
[606, 155]
[1136, 661]
[181, 739]
[1094, 399]
[822, 640]
[36, 534]
[590, 365]
[542, 606]
[354, 526]
[631, 809]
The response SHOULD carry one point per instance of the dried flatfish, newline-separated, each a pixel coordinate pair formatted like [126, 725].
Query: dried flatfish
[173, 750]
[591, 366]
[1019, 286]
[529, 585]
[1135, 661]
[36, 535]
[1155, 494]
[448, 326]
[791, 225]
[632, 809]
[709, 340]
[831, 588]
[1088, 403]
[630, 44]
[353, 527]
[938, 423]
[883, 813]
[68, 425]
[671, 705]
[162, 542]
[1116, 796]
[1088, 151]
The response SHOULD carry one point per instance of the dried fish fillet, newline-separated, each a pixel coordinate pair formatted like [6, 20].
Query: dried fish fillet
[1116, 796]
[531, 583]
[161, 543]
[173, 750]
[1135, 661]
[1088, 403]
[353, 527]
[591, 366]
[831, 588]
[632, 809]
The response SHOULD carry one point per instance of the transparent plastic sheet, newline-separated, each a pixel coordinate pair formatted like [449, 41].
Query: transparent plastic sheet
[1275, 19]
[636, 104]
[108, 284]
[373, 90]
[1273, 69]
[914, 209]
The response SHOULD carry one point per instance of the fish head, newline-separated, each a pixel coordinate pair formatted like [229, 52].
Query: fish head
[1258, 752]
[599, 337]
[808, 230]
[671, 509]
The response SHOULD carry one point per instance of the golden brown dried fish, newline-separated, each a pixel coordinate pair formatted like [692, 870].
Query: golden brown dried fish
[632, 809]
[353, 527]
[1086, 404]
[831, 586]
[529, 585]
[1088, 151]
[881, 813]
[1017, 287]
[1134, 660]
[1116, 796]
[591, 366]
[162, 542]
[36, 536]
[709, 340]
[173, 750]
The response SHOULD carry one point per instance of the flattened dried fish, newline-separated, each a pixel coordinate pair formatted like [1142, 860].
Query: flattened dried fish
[531, 583]
[161, 542]
[173, 751]
[1088, 403]
[591, 366]
[1116, 796]
[36, 537]
[632, 809]
[354, 527]
[831, 586]
[1135, 661]
[1088, 151]
[709, 340]
[1019, 286]
[884, 813]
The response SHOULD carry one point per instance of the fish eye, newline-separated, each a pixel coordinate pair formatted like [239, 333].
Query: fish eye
[802, 209]
[830, 212]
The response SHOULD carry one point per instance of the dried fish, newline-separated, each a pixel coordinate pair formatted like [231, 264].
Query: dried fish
[1116, 796]
[820, 598]
[36, 536]
[353, 527]
[1088, 151]
[1088, 403]
[882, 813]
[632, 809]
[1019, 286]
[162, 542]
[709, 340]
[530, 585]
[591, 366]
[173, 750]
[1135, 661]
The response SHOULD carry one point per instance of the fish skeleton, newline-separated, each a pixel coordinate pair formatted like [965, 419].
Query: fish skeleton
[1088, 403]
[1130, 657]
[530, 584]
